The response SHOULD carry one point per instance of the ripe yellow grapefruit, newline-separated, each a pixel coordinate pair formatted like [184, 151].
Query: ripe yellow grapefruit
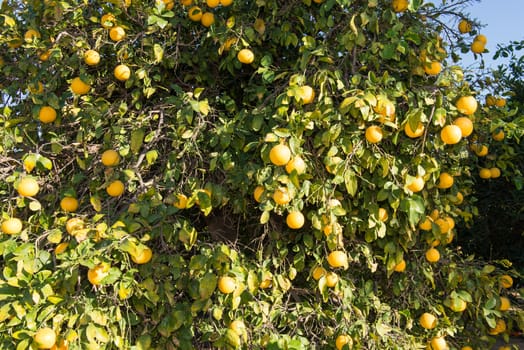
[331, 279]
[110, 158]
[414, 134]
[91, 57]
[246, 56]
[96, 274]
[342, 340]
[399, 5]
[506, 281]
[44, 338]
[12, 226]
[307, 94]
[338, 258]
[478, 47]
[400, 267]
[498, 136]
[428, 321]
[207, 19]
[79, 87]
[297, 164]
[31, 35]
[227, 284]
[464, 26]
[122, 72]
[495, 172]
[73, 225]
[374, 134]
[28, 187]
[481, 150]
[438, 343]
[432, 255]
[107, 20]
[426, 224]
[115, 188]
[417, 184]
[451, 134]
[280, 154]
[505, 304]
[47, 114]
[445, 181]
[295, 220]
[433, 68]
[142, 257]
[318, 272]
[117, 33]
[466, 105]
[69, 204]
[212, 3]
[482, 38]
[195, 14]
[465, 124]
[484, 173]
[180, 201]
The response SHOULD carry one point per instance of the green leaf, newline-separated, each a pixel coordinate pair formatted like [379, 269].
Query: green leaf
[96, 203]
[55, 299]
[465, 296]
[55, 236]
[91, 333]
[388, 52]
[45, 162]
[487, 269]
[9, 21]
[252, 281]
[129, 246]
[188, 236]
[282, 132]
[428, 273]
[414, 117]
[352, 24]
[159, 53]
[283, 282]
[4, 312]
[151, 156]
[350, 180]
[491, 303]
[264, 218]
[24, 344]
[137, 139]
[143, 342]
[152, 19]
[203, 107]
[232, 338]
[207, 285]
[35, 205]
[414, 207]
[491, 321]
[198, 91]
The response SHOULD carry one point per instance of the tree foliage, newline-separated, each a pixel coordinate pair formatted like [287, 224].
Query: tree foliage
[497, 232]
[336, 82]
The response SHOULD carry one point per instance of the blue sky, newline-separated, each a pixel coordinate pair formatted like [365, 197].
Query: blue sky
[503, 23]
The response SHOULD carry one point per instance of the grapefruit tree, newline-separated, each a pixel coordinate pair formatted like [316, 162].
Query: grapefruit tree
[195, 230]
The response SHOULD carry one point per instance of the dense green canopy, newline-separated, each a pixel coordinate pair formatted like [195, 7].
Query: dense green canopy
[350, 230]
